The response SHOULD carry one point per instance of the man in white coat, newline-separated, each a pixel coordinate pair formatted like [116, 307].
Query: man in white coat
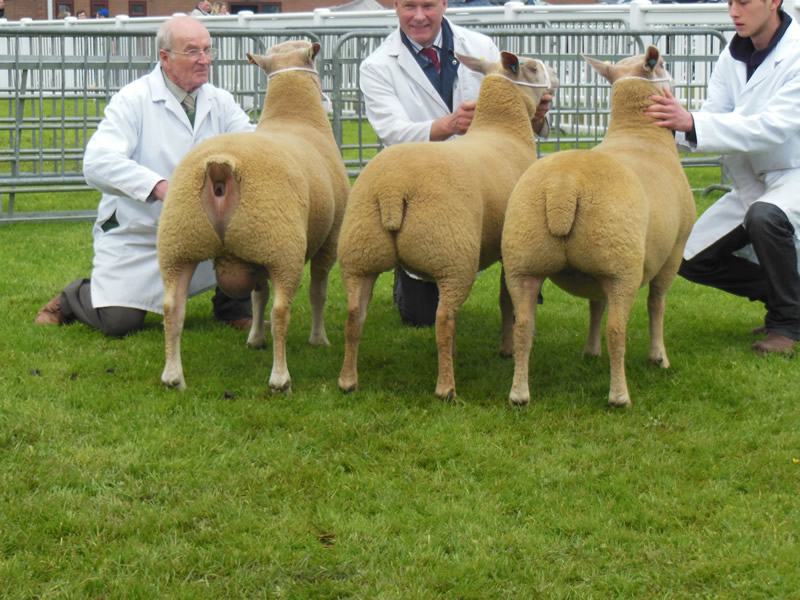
[148, 127]
[747, 242]
[415, 90]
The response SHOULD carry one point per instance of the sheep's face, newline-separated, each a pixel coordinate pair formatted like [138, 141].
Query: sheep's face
[649, 66]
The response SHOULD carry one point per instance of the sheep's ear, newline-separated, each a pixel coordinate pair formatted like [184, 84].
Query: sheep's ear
[651, 58]
[313, 51]
[261, 61]
[472, 63]
[509, 61]
[601, 67]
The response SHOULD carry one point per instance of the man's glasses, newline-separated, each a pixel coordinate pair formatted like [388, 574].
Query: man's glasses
[195, 53]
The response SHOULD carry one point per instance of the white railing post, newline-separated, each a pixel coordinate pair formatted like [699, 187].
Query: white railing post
[638, 16]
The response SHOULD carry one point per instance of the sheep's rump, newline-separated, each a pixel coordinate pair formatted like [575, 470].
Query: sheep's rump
[576, 215]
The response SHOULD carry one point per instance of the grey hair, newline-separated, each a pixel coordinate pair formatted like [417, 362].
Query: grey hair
[164, 36]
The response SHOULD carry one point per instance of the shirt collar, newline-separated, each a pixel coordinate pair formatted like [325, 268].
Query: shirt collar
[177, 91]
[437, 43]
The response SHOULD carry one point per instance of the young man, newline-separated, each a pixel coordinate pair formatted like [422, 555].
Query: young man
[148, 127]
[416, 90]
[747, 242]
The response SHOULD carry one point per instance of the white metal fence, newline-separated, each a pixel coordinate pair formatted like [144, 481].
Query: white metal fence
[56, 79]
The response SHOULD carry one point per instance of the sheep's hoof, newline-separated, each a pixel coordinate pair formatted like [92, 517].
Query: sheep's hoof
[347, 388]
[622, 401]
[175, 384]
[285, 388]
[660, 361]
[506, 353]
[448, 395]
[515, 399]
[257, 345]
[316, 340]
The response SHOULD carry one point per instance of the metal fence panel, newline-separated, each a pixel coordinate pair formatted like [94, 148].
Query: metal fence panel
[55, 83]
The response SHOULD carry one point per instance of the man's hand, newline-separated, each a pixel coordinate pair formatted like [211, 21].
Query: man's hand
[160, 190]
[668, 112]
[455, 123]
[541, 112]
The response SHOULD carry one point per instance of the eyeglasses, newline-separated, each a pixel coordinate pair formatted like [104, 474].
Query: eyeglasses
[195, 53]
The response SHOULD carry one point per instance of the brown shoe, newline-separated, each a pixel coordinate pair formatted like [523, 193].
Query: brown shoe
[51, 313]
[760, 330]
[774, 342]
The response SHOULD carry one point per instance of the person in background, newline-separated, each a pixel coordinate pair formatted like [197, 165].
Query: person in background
[2, 9]
[747, 242]
[220, 8]
[416, 90]
[148, 127]
[102, 13]
[202, 9]
[63, 14]
[81, 14]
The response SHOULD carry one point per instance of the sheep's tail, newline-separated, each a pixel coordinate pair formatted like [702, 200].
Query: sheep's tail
[561, 204]
[220, 193]
[392, 207]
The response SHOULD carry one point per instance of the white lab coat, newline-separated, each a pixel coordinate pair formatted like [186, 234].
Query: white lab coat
[400, 101]
[143, 137]
[756, 126]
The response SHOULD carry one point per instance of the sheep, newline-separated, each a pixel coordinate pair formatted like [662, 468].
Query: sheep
[602, 223]
[260, 204]
[436, 209]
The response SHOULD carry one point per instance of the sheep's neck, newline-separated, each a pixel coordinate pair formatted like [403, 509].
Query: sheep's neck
[294, 96]
[501, 105]
[628, 103]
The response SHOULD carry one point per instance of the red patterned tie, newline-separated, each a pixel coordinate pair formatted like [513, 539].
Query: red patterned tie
[432, 55]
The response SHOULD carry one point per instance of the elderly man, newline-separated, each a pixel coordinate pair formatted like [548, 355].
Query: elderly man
[149, 126]
[747, 242]
[202, 9]
[416, 90]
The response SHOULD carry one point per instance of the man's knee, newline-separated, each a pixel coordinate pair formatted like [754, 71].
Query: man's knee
[691, 270]
[117, 321]
[764, 218]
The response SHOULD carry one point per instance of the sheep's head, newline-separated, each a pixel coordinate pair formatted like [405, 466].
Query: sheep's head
[288, 55]
[649, 66]
[531, 74]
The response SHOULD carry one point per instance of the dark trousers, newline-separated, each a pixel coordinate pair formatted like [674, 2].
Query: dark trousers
[416, 300]
[118, 321]
[774, 281]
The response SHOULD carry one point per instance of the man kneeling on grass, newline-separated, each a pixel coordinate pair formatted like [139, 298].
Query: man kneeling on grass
[747, 242]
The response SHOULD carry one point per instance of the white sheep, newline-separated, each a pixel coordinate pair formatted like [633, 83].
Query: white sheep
[260, 204]
[436, 209]
[602, 223]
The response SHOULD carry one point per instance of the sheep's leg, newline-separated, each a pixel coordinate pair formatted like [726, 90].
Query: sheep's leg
[257, 338]
[445, 341]
[279, 379]
[593, 345]
[620, 301]
[524, 293]
[656, 304]
[176, 292]
[359, 294]
[317, 293]
[507, 318]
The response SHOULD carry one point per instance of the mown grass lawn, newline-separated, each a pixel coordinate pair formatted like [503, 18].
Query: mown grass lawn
[112, 486]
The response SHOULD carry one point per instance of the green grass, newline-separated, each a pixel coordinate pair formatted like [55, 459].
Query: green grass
[112, 486]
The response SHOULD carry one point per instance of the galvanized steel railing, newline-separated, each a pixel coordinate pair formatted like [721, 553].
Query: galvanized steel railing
[54, 84]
